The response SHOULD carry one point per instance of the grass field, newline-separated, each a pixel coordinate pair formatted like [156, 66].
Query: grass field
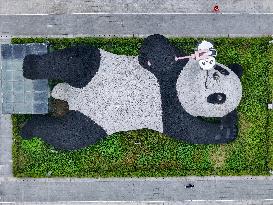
[148, 153]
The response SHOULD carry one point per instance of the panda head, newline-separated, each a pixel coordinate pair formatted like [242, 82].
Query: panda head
[214, 92]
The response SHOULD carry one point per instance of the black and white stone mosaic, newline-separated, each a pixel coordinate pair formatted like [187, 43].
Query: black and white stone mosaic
[108, 93]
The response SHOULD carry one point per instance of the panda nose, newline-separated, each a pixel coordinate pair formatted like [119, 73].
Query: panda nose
[217, 98]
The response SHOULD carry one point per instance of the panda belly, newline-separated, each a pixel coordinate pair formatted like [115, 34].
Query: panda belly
[122, 96]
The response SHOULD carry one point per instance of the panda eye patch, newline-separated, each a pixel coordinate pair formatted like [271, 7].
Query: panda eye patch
[203, 63]
[221, 70]
[215, 76]
[211, 61]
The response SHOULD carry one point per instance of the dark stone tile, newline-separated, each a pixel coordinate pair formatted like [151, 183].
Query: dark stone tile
[19, 51]
[6, 51]
[40, 108]
[29, 49]
[40, 49]
[40, 85]
[36, 49]
[40, 97]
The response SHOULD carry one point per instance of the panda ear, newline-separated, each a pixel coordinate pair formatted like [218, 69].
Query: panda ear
[237, 69]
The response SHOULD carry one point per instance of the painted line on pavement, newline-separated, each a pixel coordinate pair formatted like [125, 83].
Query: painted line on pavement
[142, 202]
[140, 13]
[152, 13]
[24, 14]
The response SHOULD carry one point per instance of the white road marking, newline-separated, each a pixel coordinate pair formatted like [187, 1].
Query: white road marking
[24, 14]
[203, 200]
[140, 13]
[260, 13]
[139, 202]
[152, 13]
[173, 13]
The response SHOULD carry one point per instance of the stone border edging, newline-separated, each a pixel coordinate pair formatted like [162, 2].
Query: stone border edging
[169, 179]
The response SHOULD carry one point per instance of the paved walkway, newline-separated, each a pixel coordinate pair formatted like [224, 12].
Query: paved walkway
[137, 24]
[62, 18]
[5, 134]
[128, 189]
[239, 202]
[5, 146]
[133, 6]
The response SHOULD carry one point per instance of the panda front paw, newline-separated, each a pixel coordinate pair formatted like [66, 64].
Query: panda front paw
[30, 127]
[27, 131]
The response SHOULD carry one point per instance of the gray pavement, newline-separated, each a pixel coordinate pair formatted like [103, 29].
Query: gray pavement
[5, 133]
[132, 6]
[190, 202]
[213, 25]
[133, 189]
[5, 146]
[67, 18]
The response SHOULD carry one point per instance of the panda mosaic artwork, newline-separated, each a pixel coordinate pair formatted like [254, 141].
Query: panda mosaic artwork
[159, 90]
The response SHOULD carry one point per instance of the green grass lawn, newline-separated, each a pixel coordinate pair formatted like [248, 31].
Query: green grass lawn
[270, 113]
[148, 153]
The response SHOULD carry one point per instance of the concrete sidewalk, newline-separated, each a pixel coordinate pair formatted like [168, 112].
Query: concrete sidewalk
[5, 146]
[133, 189]
[69, 18]
[11, 7]
[5, 132]
[195, 25]
[222, 202]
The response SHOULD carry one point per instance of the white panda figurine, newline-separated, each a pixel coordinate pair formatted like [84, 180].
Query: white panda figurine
[109, 93]
[209, 62]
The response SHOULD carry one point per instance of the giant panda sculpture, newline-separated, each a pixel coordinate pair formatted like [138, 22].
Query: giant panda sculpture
[108, 93]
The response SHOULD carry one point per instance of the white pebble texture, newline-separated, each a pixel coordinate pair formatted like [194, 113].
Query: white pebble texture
[122, 95]
[194, 85]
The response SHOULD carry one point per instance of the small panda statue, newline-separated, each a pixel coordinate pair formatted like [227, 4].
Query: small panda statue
[109, 93]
